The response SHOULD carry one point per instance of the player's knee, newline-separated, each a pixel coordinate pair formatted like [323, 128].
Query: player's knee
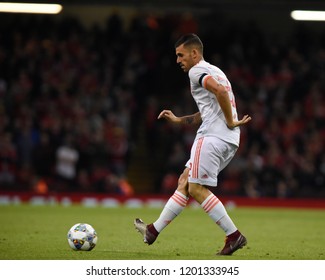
[183, 181]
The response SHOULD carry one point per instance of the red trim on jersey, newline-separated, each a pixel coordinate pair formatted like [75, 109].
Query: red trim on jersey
[205, 80]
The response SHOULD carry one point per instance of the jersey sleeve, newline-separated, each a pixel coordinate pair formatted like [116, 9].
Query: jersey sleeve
[198, 75]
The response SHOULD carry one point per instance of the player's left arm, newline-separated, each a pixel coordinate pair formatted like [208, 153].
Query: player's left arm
[223, 98]
[193, 119]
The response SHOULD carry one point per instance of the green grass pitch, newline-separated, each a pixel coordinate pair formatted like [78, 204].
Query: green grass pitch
[39, 233]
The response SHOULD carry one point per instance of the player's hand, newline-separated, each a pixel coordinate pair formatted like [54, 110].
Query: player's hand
[244, 120]
[169, 116]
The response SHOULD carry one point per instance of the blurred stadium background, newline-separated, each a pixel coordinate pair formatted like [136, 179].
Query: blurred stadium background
[80, 93]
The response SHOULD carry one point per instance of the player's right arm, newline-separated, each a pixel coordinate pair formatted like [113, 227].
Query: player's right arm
[223, 98]
[194, 119]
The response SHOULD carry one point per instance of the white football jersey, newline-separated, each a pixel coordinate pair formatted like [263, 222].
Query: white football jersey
[213, 119]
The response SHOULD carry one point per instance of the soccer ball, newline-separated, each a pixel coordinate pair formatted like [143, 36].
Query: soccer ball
[82, 237]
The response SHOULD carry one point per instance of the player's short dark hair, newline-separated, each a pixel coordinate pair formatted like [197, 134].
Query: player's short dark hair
[190, 39]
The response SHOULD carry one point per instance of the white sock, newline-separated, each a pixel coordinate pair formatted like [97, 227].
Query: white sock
[217, 212]
[174, 206]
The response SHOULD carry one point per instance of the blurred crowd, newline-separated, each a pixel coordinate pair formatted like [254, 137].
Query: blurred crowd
[74, 100]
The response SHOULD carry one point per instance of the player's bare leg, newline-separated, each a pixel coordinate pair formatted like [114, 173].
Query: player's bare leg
[217, 212]
[174, 206]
